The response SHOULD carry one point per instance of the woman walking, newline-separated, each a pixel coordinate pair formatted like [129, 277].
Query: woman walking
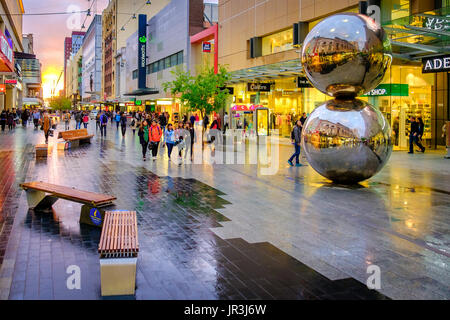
[144, 137]
[46, 125]
[85, 120]
[155, 138]
[190, 143]
[169, 138]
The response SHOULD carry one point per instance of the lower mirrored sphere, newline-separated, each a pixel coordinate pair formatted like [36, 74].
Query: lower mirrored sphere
[347, 141]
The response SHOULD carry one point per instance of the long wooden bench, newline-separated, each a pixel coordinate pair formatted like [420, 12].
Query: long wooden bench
[41, 196]
[76, 137]
[118, 249]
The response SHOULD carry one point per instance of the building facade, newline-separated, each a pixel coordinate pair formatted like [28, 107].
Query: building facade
[168, 47]
[30, 68]
[260, 43]
[119, 21]
[11, 13]
[92, 62]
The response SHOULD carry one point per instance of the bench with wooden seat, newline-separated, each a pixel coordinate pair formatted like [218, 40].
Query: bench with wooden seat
[41, 196]
[118, 249]
[76, 137]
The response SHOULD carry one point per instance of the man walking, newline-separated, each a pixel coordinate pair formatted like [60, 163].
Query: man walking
[78, 120]
[103, 123]
[296, 137]
[414, 136]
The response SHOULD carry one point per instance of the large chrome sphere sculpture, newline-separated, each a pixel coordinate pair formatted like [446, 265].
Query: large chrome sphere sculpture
[346, 139]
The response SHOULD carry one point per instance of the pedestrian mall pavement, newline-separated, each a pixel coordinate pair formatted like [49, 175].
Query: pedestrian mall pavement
[227, 231]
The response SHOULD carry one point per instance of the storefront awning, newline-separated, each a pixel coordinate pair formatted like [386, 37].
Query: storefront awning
[290, 68]
[32, 101]
[421, 35]
[142, 92]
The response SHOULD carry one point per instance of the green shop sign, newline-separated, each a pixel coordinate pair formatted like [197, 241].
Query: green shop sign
[389, 89]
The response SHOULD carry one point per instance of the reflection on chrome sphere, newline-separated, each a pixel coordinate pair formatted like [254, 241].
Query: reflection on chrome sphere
[347, 141]
[346, 55]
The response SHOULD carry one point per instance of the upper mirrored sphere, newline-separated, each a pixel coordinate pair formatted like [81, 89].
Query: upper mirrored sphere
[346, 55]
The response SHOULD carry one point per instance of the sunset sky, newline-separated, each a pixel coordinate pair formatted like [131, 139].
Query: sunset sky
[49, 32]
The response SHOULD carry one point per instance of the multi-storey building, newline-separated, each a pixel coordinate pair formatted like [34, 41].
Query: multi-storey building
[119, 22]
[28, 43]
[260, 42]
[168, 47]
[92, 62]
[31, 79]
[67, 52]
[72, 45]
[11, 13]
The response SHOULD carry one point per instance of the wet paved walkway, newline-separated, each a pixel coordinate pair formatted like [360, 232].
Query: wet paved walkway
[226, 231]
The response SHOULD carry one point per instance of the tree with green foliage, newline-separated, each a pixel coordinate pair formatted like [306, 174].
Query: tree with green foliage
[204, 92]
[60, 103]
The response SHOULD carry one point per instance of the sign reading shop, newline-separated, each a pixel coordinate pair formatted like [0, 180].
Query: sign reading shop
[262, 87]
[436, 64]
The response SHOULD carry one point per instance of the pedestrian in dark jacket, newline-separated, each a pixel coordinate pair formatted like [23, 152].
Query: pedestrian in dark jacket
[296, 137]
[123, 122]
[144, 137]
[414, 136]
[3, 119]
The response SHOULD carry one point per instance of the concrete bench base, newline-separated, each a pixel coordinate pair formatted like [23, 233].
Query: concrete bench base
[118, 276]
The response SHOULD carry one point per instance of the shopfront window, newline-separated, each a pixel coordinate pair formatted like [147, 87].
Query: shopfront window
[405, 92]
[277, 42]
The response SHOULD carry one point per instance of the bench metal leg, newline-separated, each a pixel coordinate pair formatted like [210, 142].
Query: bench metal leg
[93, 216]
[39, 200]
[118, 276]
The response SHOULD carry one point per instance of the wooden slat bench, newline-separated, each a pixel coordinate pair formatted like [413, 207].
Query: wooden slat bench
[41, 196]
[118, 249]
[76, 137]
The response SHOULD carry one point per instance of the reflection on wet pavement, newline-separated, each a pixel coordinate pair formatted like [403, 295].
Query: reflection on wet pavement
[222, 232]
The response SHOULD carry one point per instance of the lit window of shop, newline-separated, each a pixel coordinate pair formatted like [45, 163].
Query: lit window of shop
[277, 42]
[405, 93]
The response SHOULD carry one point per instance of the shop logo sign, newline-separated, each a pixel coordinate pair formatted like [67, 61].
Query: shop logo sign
[438, 23]
[302, 82]
[265, 87]
[6, 49]
[206, 46]
[95, 216]
[436, 64]
[377, 92]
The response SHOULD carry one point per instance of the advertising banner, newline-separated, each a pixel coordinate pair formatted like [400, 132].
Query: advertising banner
[142, 52]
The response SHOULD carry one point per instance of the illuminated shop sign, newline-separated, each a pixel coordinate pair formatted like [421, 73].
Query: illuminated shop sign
[264, 87]
[436, 64]
[302, 82]
[390, 89]
[206, 46]
[6, 55]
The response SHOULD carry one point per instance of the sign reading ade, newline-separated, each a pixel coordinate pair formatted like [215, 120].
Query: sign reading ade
[436, 64]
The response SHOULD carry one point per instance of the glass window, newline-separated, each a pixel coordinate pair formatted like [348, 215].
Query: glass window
[277, 42]
[135, 74]
[167, 63]
[173, 60]
[180, 57]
